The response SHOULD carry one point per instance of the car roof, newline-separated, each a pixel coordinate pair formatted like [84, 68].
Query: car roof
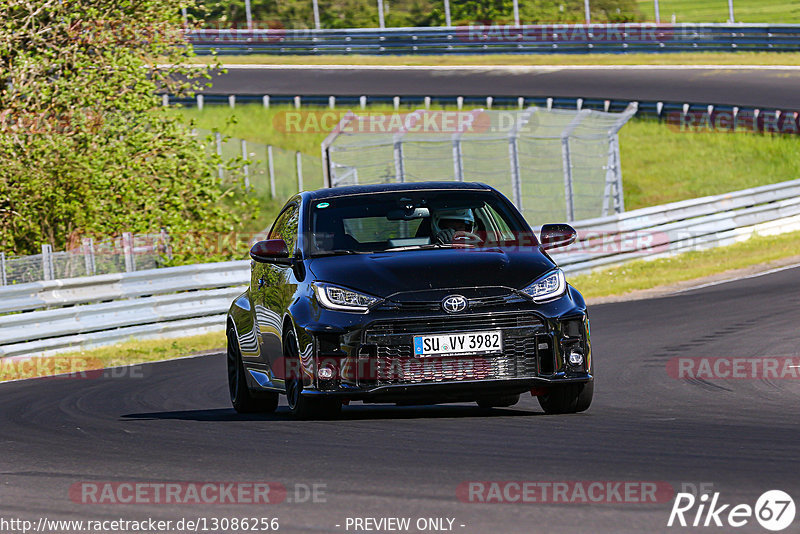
[394, 187]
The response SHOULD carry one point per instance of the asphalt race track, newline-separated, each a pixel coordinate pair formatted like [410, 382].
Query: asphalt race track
[765, 88]
[171, 421]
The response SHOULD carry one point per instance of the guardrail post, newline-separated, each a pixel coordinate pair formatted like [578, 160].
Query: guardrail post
[165, 100]
[200, 102]
[298, 157]
[265, 101]
[127, 250]
[332, 102]
[3, 268]
[297, 102]
[166, 241]
[658, 12]
[246, 166]
[232, 101]
[730, 11]
[47, 262]
[447, 21]
[516, 12]
[362, 101]
[271, 168]
[88, 256]
[588, 11]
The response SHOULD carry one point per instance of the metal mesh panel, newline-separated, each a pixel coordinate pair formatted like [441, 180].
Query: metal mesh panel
[554, 164]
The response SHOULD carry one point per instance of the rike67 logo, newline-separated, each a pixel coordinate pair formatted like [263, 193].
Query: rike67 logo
[774, 510]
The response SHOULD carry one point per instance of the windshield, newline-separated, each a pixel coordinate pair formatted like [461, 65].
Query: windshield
[397, 221]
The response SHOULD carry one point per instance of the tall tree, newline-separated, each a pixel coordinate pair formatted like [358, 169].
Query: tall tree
[85, 146]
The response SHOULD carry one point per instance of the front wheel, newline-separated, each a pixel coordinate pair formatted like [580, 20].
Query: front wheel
[568, 398]
[303, 406]
[242, 399]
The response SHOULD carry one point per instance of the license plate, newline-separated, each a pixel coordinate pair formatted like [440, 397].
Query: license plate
[461, 344]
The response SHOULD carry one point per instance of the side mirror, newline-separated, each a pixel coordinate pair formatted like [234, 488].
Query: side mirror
[270, 251]
[557, 235]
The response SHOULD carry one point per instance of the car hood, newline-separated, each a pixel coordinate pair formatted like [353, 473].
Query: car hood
[386, 273]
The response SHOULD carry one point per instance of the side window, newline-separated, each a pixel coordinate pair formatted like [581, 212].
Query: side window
[285, 227]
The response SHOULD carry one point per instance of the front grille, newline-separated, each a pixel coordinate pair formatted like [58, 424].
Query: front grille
[387, 356]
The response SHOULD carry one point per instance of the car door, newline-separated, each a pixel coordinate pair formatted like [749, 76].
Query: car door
[272, 286]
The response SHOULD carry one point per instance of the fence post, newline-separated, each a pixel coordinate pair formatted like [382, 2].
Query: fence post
[88, 256]
[249, 14]
[127, 250]
[399, 167]
[458, 161]
[566, 159]
[166, 241]
[3, 268]
[317, 24]
[297, 156]
[246, 166]
[513, 154]
[220, 169]
[47, 262]
[271, 168]
[381, 22]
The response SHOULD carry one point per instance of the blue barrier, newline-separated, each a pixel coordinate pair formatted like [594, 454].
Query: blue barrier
[478, 39]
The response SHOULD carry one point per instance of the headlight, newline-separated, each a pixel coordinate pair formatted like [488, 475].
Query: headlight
[339, 298]
[547, 287]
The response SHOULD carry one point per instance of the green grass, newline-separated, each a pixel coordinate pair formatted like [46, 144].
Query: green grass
[688, 58]
[660, 164]
[773, 11]
[127, 353]
[642, 274]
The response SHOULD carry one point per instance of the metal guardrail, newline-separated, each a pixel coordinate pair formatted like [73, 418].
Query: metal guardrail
[52, 316]
[694, 224]
[542, 39]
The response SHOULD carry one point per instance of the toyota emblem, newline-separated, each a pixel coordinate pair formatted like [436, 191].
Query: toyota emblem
[454, 304]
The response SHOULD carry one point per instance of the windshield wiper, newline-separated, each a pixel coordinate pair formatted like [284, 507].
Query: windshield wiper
[419, 247]
[337, 252]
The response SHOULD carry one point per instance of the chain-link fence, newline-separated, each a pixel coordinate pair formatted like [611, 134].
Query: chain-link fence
[269, 171]
[555, 164]
[126, 253]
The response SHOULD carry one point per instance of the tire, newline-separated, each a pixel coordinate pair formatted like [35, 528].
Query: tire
[501, 401]
[242, 399]
[568, 398]
[303, 406]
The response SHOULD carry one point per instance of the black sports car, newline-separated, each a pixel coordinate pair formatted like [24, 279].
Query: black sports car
[410, 294]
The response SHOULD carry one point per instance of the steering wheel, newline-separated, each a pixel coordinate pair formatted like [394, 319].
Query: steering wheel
[466, 238]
